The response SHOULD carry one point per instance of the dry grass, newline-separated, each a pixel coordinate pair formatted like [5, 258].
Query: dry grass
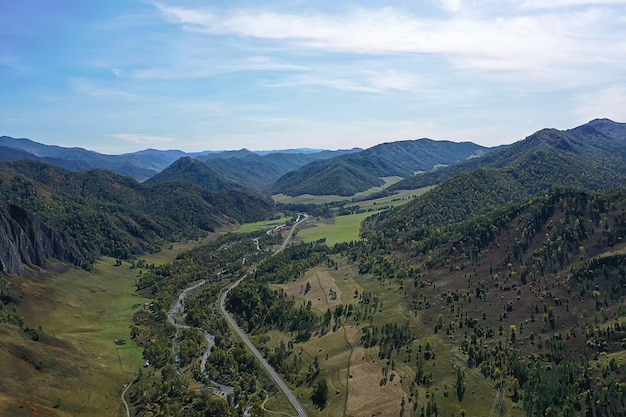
[366, 396]
[321, 283]
[354, 373]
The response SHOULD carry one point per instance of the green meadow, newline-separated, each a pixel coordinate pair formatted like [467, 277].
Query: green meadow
[262, 225]
[336, 230]
[85, 312]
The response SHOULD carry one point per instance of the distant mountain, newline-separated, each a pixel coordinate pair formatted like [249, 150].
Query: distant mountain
[196, 172]
[242, 153]
[296, 150]
[139, 165]
[259, 170]
[234, 165]
[117, 215]
[348, 174]
[589, 156]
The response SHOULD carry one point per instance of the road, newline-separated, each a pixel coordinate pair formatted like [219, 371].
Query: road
[302, 217]
[123, 396]
[279, 381]
[178, 305]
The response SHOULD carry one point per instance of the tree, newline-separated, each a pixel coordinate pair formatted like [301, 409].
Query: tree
[320, 394]
[460, 384]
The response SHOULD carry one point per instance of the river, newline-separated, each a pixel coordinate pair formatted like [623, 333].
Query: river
[219, 389]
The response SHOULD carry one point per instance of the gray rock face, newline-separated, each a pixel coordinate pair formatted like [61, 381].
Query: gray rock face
[25, 240]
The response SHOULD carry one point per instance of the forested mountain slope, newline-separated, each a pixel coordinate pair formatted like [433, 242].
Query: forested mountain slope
[532, 294]
[349, 174]
[256, 170]
[25, 240]
[196, 172]
[118, 215]
[592, 156]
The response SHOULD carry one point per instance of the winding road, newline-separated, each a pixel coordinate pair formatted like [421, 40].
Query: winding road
[211, 340]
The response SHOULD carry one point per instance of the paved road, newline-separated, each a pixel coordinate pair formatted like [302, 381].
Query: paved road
[302, 217]
[177, 306]
[279, 381]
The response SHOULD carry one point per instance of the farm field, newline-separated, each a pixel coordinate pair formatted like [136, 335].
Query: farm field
[71, 364]
[336, 230]
[262, 225]
[322, 199]
[384, 203]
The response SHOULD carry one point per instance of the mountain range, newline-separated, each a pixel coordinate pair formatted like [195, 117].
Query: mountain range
[141, 165]
[119, 216]
[510, 271]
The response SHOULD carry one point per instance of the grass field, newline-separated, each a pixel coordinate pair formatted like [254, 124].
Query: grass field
[262, 225]
[322, 199]
[75, 366]
[401, 197]
[336, 230]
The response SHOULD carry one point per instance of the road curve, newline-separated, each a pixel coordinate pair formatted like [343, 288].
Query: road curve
[272, 373]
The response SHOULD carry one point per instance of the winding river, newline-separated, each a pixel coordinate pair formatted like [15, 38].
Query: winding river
[220, 389]
[175, 310]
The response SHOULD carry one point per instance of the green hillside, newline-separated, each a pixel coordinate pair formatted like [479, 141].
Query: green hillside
[590, 156]
[349, 174]
[116, 215]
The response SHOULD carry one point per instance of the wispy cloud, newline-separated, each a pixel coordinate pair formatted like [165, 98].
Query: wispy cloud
[141, 138]
[554, 4]
[451, 5]
[539, 44]
[206, 67]
[366, 81]
[86, 87]
[608, 102]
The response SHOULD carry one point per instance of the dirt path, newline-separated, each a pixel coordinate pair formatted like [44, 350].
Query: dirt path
[123, 396]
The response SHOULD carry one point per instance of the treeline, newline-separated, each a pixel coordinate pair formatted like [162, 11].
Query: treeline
[260, 309]
[291, 263]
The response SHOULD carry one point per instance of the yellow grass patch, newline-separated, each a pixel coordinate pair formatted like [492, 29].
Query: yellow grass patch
[366, 396]
[322, 282]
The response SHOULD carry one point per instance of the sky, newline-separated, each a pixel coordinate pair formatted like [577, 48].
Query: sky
[119, 76]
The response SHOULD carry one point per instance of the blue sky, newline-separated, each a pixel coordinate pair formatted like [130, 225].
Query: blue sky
[123, 75]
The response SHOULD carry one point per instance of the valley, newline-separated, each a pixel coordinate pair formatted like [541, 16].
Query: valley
[492, 286]
[64, 359]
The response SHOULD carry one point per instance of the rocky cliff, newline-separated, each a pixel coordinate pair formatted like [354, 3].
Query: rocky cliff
[25, 240]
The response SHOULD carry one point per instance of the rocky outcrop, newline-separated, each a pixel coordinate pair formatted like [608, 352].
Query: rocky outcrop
[25, 240]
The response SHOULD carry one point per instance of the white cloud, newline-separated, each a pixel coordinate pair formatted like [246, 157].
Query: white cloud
[451, 5]
[366, 81]
[609, 102]
[141, 138]
[554, 4]
[198, 68]
[85, 87]
[541, 45]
